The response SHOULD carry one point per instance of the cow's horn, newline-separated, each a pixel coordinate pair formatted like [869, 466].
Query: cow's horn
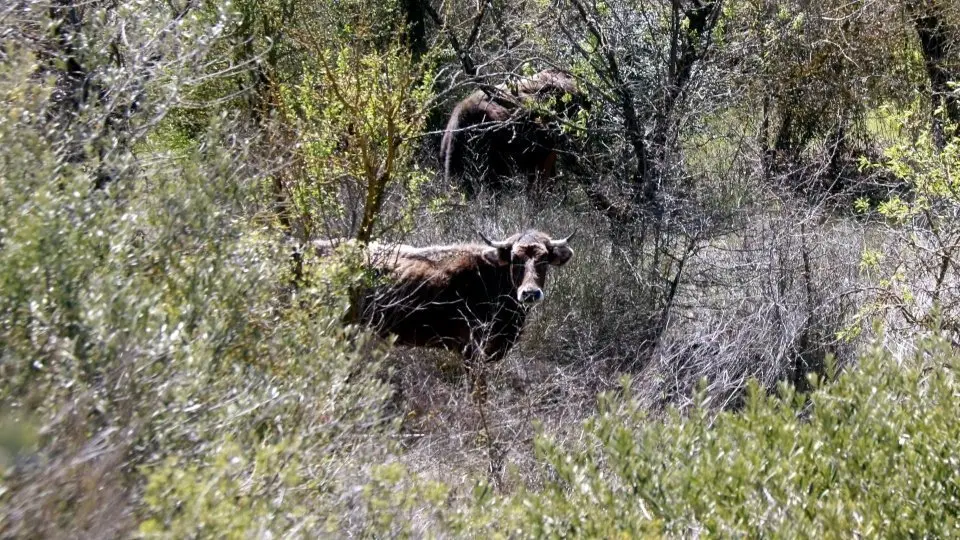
[491, 243]
[563, 241]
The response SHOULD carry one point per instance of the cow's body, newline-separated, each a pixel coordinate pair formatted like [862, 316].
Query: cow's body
[499, 133]
[469, 298]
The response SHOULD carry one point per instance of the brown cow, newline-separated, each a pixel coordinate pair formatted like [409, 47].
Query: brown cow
[469, 298]
[502, 130]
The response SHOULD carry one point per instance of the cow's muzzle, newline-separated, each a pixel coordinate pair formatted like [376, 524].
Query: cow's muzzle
[530, 296]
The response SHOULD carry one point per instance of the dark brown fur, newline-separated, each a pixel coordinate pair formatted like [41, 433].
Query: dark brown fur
[505, 137]
[464, 297]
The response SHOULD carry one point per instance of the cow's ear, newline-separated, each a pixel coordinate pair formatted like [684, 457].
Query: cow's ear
[559, 255]
[497, 256]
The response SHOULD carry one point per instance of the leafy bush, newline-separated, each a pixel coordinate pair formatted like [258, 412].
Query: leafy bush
[155, 370]
[916, 271]
[352, 116]
[869, 454]
[357, 116]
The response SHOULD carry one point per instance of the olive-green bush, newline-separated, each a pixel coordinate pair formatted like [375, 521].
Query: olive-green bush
[871, 453]
[157, 369]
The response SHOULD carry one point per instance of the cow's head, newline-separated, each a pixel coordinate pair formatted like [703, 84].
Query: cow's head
[529, 255]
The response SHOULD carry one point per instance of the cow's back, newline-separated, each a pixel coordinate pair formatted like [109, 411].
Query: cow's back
[493, 132]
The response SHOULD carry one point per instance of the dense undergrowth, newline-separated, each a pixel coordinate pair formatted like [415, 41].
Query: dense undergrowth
[867, 454]
[150, 352]
[742, 353]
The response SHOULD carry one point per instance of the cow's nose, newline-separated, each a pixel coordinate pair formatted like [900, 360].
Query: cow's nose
[530, 296]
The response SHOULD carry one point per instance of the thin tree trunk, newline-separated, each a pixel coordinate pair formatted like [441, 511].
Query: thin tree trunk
[935, 43]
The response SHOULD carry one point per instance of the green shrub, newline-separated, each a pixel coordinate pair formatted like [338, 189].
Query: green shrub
[915, 269]
[356, 118]
[156, 372]
[869, 454]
